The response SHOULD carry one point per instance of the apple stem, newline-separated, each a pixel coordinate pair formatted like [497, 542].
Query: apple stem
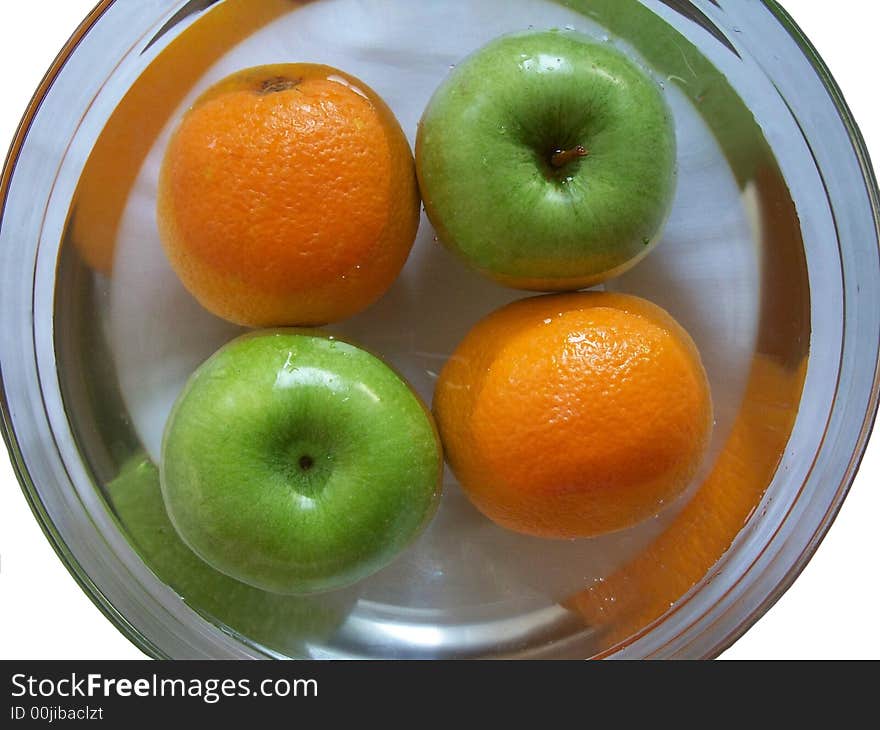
[562, 157]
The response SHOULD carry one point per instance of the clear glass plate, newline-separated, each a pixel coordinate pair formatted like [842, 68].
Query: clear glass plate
[769, 259]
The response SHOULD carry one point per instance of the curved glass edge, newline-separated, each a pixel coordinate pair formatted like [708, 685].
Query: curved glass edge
[683, 643]
[102, 603]
[873, 404]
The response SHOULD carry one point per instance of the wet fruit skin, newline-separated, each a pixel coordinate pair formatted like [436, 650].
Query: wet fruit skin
[298, 463]
[547, 161]
[573, 415]
[288, 196]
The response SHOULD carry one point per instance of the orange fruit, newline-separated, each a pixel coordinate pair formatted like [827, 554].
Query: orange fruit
[288, 196]
[118, 155]
[573, 415]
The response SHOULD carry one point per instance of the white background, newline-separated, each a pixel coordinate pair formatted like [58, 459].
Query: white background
[830, 612]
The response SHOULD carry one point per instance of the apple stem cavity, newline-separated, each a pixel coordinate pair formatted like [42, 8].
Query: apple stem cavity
[306, 463]
[561, 158]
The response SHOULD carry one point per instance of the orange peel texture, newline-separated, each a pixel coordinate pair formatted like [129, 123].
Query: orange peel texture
[573, 415]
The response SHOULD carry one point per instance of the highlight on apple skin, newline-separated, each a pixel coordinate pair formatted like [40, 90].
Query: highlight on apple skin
[546, 161]
[299, 463]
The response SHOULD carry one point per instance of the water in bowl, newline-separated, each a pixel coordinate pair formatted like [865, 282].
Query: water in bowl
[134, 335]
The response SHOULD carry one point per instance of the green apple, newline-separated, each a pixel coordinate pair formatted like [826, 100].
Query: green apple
[547, 161]
[281, 623]
[298, 463]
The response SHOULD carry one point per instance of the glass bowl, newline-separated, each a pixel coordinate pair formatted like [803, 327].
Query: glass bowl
[769, 259]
